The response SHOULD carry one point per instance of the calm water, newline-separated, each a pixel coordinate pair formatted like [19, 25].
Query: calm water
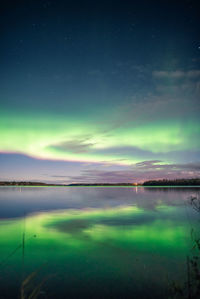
[94, 242]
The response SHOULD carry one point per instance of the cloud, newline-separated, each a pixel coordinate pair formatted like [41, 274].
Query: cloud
[142, 171]
[58, 176]
[78, 145]
[156, 164]
[165, 106]
[175, 99]
[147, 163]
[178, 83]
[178, 74]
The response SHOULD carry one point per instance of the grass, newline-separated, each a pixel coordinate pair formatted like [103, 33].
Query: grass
[191, 288]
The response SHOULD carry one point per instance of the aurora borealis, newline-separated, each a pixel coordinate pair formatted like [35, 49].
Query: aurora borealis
[104, 92]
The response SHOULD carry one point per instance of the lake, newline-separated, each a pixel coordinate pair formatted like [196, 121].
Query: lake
[94, 242]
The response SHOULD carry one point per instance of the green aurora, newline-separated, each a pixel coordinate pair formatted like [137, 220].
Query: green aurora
[68, 139]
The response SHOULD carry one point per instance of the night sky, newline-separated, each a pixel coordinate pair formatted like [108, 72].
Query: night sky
[99, 91]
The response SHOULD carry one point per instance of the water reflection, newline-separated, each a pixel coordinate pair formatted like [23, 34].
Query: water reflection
[95, 242]
[17, 201]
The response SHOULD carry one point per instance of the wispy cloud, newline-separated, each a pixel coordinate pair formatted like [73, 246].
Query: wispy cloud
[175, 96]
[156, 164]
[142, 171]
[78, 145]
[177, 74]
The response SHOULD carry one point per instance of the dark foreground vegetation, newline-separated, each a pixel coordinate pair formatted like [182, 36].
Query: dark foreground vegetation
[22, 183]
[191, 288]
[177, 182]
